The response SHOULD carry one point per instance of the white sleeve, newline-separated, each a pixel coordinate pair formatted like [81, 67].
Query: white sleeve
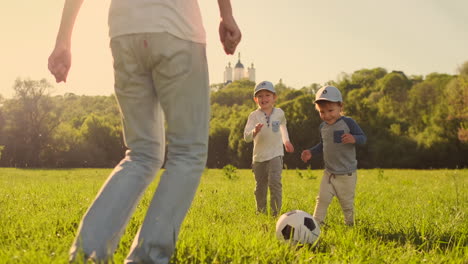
[249, 129]
[283, 128]
[284, 133]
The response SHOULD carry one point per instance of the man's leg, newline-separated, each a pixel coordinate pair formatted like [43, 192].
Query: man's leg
[104, 222]
[181, 81]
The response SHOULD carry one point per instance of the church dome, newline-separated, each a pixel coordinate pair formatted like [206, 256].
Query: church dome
[239, 65]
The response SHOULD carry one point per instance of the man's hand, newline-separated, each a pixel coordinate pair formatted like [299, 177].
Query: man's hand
[60, 63]
[229, 34]
[60, 60]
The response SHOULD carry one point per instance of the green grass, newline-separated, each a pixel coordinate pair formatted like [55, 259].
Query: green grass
[403, 216]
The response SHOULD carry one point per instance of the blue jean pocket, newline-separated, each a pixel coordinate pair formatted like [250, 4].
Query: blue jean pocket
[337, 136]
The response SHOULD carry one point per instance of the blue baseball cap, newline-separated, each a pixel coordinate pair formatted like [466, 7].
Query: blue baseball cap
[265, 85]
[328, 93]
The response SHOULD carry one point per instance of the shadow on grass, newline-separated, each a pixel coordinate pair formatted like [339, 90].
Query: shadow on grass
[425, 242]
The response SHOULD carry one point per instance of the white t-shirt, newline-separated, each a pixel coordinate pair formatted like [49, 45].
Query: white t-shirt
[181, 18]
[268, 143]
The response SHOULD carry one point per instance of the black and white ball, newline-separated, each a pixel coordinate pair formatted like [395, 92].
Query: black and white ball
[297, 227]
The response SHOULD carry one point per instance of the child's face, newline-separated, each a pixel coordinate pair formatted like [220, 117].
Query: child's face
[329, 112]
[265, 99]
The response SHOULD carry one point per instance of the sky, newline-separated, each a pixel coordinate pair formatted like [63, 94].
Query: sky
[298, 41]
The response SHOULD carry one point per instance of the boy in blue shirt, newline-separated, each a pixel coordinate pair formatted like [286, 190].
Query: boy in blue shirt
[338, 136]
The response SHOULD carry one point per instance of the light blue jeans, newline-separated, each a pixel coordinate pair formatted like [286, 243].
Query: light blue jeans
[158, 78]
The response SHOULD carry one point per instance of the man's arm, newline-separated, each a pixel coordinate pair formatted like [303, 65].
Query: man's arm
[60, 60]
[229, 32]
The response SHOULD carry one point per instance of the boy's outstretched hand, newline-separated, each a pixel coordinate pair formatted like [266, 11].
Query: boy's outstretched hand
[306, 155]
[289, 147]
[257, 129]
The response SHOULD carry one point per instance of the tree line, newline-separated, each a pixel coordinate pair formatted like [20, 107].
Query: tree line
[410, 122]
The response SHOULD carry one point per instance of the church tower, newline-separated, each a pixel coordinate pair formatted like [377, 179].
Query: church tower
[239, 70]
[228, 74]
[251, 73]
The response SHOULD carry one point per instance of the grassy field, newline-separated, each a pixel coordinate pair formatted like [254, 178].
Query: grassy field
[403, 216]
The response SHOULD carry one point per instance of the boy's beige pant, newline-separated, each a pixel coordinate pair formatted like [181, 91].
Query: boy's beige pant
[268, 175]
[342, 186]
[157, 77]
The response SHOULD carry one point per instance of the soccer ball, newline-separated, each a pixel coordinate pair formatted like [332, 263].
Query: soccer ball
[297, 227]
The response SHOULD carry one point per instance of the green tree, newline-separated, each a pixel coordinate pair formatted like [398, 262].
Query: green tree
[426, 114]
[240, 152]
[456, 95]
[2, 127]
[30, 119]
[236, 93]
[367, 77]
[103, 141]
[303, 127]
[89, 134]
[394, 88]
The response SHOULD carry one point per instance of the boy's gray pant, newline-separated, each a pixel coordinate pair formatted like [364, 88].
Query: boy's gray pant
[157, 77]
[268, 175]
[342, 186]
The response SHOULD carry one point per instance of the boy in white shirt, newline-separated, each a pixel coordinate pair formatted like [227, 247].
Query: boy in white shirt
[266, 126]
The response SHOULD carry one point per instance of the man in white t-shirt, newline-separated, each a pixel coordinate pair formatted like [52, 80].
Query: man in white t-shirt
[161, 74]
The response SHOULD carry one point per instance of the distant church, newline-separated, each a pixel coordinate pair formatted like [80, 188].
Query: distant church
[238, 73]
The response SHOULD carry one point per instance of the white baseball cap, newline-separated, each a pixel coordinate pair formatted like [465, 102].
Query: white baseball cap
[265, 85]
[328, 93]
